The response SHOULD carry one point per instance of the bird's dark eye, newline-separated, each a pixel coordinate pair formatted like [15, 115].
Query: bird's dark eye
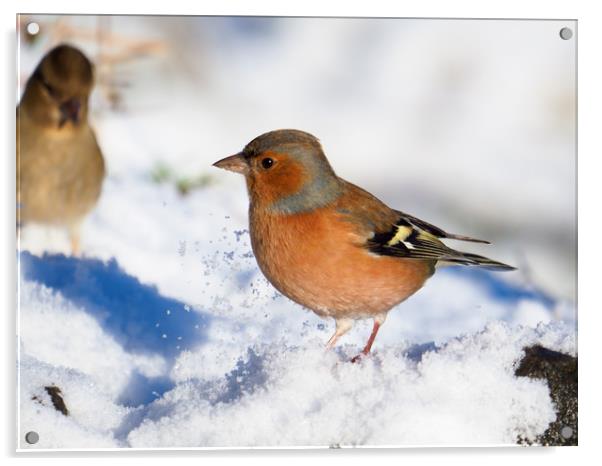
[267, 163]
[51, 90]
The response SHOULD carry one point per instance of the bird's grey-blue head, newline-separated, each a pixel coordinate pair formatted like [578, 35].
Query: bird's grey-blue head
[286, 172]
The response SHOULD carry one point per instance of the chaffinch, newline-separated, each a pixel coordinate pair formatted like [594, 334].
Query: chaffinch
[330, 245]
[60, 168]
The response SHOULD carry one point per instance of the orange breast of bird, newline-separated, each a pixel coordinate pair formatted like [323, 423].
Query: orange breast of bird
[319, 260]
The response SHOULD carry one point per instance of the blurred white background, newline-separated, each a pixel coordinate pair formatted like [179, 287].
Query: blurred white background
[468, 124]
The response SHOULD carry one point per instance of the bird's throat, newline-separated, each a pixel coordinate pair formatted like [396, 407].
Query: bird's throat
[317, 193]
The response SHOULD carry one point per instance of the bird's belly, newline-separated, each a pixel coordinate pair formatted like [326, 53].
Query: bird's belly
[348, 289]
[332, 276]
[59, 181]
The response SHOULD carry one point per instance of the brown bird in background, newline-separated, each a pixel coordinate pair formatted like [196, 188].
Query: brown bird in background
[60, 167]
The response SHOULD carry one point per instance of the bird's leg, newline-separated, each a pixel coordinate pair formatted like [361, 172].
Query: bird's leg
[342, 327]
[378, 321]
[74, 237]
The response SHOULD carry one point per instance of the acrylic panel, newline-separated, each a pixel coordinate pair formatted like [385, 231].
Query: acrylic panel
[153, 314]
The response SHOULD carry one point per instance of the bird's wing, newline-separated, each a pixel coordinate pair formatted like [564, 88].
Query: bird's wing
[435, 231]
[409, 239]
[389, 232]
[412, 238]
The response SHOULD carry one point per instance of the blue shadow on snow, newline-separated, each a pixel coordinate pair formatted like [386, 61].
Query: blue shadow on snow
[139, 318]
[498, 288]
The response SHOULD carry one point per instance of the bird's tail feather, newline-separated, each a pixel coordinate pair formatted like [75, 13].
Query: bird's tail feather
[465, 238]
[466, 258]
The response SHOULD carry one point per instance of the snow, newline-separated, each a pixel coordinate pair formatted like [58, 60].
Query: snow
[254, 372]
[165, 333]
[465, 388]
[93, 415]
[64, 335]
[274, 393]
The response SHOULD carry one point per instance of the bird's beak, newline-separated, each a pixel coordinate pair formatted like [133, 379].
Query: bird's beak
[235, 163]
[70, 111]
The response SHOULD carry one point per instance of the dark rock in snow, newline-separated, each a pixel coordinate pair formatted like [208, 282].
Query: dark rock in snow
[57, 399]
[560, 372]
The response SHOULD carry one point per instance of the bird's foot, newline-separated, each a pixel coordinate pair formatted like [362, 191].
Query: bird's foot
[358, 357]
[368, 346]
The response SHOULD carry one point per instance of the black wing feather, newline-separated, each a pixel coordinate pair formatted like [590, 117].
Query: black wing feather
[436, 231]
[412, 238]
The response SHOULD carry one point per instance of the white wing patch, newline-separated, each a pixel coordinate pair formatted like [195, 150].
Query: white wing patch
[401, 235]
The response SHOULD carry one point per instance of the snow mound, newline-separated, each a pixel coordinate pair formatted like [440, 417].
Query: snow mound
[64, 335]
[256, 374]
[91, 316]
[92, 416]
[464, 392]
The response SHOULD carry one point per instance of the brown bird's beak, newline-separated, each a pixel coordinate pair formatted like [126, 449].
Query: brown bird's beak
[70, 111]
[235, 163]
